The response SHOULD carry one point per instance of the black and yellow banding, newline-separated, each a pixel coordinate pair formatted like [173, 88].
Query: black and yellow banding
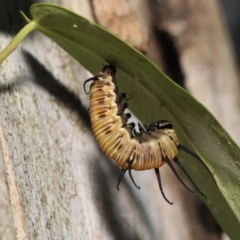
[149, 148]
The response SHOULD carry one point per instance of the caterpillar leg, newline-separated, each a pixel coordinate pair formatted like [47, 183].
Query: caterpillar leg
[124, 95]
[160, 185]
[176, 174]
[130, 175]
[188, 176]
[120, 177]
[130, 162]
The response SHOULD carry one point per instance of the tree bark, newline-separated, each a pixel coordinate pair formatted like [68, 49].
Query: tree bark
[55, 182]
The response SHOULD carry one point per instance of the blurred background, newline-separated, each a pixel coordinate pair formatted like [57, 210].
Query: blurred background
[232, 17]
[72, 194]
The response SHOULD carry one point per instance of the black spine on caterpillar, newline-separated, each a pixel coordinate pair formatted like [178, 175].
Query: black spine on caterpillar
[150, 148]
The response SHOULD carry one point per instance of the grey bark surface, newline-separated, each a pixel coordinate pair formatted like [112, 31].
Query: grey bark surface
[55, 182]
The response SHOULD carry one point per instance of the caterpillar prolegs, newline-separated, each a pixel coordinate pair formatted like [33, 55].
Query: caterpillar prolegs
[150, 147]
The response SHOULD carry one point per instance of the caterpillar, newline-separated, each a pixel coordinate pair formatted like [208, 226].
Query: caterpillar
[149, 148]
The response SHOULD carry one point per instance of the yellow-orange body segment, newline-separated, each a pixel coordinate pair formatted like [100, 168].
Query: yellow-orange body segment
[115, 137]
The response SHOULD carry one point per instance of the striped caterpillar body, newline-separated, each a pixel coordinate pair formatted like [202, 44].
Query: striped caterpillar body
[151, 147]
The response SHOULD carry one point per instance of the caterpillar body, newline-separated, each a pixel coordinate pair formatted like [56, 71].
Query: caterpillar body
[151, 147]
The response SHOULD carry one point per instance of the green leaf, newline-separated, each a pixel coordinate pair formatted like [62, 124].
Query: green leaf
[153, 96]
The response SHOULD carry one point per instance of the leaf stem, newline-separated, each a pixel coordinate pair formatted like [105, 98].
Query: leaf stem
[17, 40]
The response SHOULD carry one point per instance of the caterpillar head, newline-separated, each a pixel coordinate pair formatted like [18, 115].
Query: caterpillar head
[106, 71]
[109, 70]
